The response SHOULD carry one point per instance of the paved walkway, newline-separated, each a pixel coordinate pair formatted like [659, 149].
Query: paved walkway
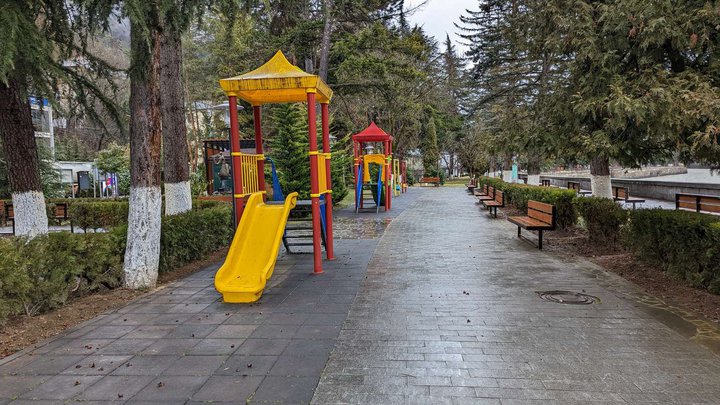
[449, 314]
[432, 303]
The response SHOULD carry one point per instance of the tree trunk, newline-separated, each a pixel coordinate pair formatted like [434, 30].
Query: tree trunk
[142, 254]
[21, 153]
[325, 44]
[533, 169]
[600, 177]
[178, 197]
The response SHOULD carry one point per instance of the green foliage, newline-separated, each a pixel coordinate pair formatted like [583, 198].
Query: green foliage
[685, 244]
[45, 272]
[340, 166]
[430, 152]
[186, 238]
[289, 149]
[603, 218]
[116, 159]
[519, 194]
[98, 214]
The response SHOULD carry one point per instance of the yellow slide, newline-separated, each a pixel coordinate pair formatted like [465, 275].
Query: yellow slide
[253, 252]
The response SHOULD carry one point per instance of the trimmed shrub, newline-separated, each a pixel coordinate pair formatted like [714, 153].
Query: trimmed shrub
[603, 218]
[518, 195]
[43, 273]
[190, 236]
[685, 244]
[98, 215]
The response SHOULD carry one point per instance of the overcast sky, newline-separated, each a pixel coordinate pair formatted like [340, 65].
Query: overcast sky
[437, 16]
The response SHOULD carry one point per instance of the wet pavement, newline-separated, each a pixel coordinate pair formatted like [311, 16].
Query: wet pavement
[449, 313]
[433, 302]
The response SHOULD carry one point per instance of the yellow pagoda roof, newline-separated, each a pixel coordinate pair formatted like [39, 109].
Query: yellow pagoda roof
[277, 81]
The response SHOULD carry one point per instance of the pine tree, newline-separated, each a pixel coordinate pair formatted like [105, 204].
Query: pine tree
[430, 153]
[289, 148]
[38, 37]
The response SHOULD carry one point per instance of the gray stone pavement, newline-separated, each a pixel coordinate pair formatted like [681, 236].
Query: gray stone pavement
[433, 302]
[449, 314]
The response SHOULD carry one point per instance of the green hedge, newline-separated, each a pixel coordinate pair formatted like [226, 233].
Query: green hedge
[518, 195]
[685, 244]
[603, 218]
[43, 273]
[98, 215]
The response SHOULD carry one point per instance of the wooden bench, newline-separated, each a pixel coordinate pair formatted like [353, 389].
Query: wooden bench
[60, 213]
[541, 217]
[709, 204]
[481, 192]
[497, 202]
[574, 185]
[430, 180]
[488, 195]
[623, 194]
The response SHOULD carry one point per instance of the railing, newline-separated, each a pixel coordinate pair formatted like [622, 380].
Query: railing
[249, 169]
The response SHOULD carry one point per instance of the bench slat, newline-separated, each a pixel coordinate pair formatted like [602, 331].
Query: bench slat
[539, 206]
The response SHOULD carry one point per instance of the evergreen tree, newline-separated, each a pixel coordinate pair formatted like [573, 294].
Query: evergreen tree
[430, 152]
[289, 148]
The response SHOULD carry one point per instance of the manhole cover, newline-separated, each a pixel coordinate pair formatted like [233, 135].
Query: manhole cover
[568, 297]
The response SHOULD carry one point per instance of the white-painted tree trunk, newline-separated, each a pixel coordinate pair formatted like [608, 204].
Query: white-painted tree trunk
[30, 214]
[142, 254]
[178, 198]
[601, 186]
[533, 179]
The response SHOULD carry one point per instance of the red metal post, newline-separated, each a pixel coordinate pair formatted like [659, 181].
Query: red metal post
[356, 164]
[314, 184]
[238, 201]
[387, 152]
[391, 165]
[329, 246]
[257, 120]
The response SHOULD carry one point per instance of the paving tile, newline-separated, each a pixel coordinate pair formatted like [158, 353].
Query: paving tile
[48, 364]
[14, 386]
[241, 364]
[61, 387]
[274, 331]
[236, 389]
[170, 346]
[145, 365]
[286, 389]
[209, 346]
[195, 365]
[232, 331]
[115, 388]
[266, 347]
[171, 389]
[96, 365]
[299, 366]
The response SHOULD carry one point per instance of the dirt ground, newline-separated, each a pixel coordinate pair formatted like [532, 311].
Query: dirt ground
[23, 331]
[655, 282]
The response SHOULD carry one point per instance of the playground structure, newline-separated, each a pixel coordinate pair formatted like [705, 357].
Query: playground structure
[256, 242]
[365, 157]
[266, 224]
[399, 177]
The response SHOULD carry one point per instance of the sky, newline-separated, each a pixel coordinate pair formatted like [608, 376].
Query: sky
[437, 17]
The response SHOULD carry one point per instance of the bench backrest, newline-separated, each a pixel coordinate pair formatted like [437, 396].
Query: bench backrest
[545, 183]
[499, 197]
[542, 212]
[9, 213]
[698, 203]
[430, 180]
[491, 191]
[620, 193]
[573, 185]
[61, 210]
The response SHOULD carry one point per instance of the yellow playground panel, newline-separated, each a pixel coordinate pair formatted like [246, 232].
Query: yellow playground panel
[378, 159]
